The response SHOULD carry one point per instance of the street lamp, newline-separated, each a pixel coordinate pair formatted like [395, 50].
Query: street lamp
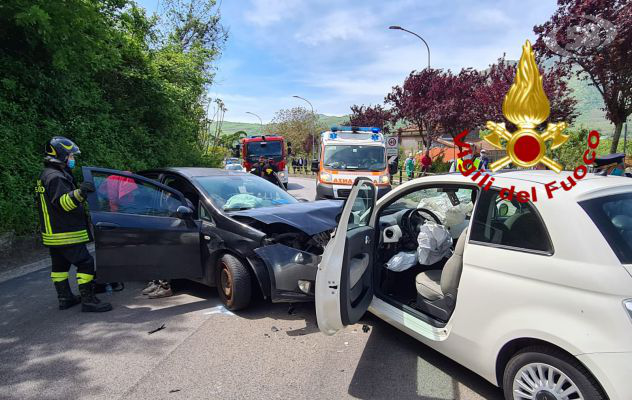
[260, 121]
[395, 27]
[313, 116]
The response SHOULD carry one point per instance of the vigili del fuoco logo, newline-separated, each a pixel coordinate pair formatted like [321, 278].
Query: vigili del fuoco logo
[526, 106]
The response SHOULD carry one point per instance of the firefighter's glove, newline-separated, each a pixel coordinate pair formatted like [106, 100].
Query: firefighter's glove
[85, 188]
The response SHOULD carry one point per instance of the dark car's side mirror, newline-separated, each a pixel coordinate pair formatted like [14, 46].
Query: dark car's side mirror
[315, 165]
[184, 212]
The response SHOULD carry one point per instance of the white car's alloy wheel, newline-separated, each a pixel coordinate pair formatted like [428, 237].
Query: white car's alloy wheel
[539, 381]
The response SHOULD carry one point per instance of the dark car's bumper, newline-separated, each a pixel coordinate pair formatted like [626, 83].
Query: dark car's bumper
[327, 191]
[292, 272]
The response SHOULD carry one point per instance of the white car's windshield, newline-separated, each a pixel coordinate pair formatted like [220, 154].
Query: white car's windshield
[242, 192]
[367, 158]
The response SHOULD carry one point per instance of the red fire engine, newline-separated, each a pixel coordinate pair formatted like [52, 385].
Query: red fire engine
[269, 146]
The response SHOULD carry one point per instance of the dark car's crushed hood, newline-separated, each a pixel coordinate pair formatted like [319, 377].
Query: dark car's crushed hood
[310, 217]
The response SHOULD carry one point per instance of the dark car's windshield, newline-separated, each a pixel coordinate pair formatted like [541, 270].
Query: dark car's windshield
[268, 149]
[613, 216]
[242, 192]
[358, 157]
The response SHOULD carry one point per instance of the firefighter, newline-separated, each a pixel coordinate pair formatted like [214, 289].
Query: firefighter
[269, 172]
[65, 227]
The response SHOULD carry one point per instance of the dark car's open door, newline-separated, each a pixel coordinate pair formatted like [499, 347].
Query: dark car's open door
[141, 230]
[344, 286]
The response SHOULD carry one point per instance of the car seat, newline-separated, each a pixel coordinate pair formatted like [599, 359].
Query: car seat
[437, 288]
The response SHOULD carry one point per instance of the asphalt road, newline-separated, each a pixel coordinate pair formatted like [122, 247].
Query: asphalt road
[302, 188]
[206, 352]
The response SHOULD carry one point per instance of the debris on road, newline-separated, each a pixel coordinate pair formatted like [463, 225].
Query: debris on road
[174, 391]
[274, 329]
[365, 328]
[157, 329]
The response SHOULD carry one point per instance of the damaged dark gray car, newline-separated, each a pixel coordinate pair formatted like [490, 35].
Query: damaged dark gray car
[227, 229]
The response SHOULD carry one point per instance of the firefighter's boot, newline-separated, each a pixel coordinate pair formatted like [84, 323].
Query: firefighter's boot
[90, 302]
[65, 296]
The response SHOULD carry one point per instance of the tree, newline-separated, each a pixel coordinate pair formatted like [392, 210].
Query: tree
[97, 72]
[454, 105]
[193, 23]
[298, 126]
[595, 37]
[413, 101]
[496, 83]
[373, 116]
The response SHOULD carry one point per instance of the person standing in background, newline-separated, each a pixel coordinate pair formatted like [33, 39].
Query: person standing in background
[426, 162]
[409, 165]
[484, 160]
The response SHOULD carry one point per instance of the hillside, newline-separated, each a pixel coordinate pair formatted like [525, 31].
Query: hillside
[590, 105]
[255, 129]
[589, 109]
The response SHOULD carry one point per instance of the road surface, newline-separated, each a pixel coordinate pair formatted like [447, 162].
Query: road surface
[268, 351]
[302, 188]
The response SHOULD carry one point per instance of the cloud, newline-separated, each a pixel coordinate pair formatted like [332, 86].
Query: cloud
[265, 106]
[492, 18]
[341, 53]
[264, 13]
[338, 25]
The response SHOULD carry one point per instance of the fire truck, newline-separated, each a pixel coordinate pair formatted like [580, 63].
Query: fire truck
[347, 153]
[269, 146]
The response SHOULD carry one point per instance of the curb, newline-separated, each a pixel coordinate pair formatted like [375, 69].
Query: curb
[31, 267]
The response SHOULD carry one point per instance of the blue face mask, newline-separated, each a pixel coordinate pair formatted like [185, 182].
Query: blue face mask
[71, 164]
[617, 172]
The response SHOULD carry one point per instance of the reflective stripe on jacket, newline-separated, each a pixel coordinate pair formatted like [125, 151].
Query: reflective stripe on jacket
[459, 163]
[62, 216]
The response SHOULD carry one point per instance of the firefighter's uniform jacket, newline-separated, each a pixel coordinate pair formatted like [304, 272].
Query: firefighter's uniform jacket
[62, 216]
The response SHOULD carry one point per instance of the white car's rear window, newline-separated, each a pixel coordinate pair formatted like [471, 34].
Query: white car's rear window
[613, 216]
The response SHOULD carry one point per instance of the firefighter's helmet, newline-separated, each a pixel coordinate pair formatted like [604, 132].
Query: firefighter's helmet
[60, 148]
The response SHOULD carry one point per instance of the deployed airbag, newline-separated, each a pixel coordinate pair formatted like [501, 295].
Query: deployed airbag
[449, 214]
[402, 261]
[435, 243]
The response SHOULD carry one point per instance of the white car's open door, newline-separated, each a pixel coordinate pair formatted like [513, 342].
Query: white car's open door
[344, 281]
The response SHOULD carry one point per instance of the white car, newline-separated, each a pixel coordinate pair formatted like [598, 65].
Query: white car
[536, 297]
[235, 167]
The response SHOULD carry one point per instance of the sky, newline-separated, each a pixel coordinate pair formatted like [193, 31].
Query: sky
[338, 53]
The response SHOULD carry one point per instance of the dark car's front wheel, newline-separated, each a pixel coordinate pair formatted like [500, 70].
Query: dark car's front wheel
[233, 283]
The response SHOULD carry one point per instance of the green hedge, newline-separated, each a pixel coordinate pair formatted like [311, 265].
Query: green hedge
[86, 70]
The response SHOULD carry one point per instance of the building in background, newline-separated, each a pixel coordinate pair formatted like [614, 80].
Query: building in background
[443, 147]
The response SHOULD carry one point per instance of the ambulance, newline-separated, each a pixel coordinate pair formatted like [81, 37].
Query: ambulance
[347, 153]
